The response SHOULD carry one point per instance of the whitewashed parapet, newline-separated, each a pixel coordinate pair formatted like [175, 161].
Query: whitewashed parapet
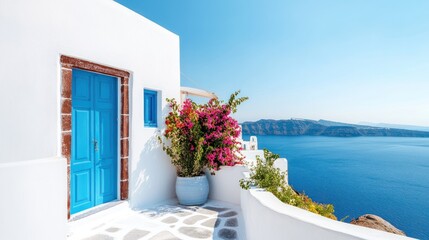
[251, 155]
[250, 145]
[281, 163]
[225, 184]
[250, 160]
[266, 217]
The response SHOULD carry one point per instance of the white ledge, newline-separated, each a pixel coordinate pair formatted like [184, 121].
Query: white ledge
[266, 217]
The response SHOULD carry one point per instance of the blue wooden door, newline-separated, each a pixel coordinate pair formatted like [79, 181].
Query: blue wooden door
[94, 157]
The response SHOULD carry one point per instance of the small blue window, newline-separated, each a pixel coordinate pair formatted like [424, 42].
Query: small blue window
[150, 108]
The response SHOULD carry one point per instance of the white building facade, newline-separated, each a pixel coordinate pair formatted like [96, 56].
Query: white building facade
[44, 131]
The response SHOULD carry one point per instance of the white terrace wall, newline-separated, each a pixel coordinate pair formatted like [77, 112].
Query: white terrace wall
[34, 34]
[266, 217]
[225, 184]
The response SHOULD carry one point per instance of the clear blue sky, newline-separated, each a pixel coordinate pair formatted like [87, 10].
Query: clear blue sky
[350, 61]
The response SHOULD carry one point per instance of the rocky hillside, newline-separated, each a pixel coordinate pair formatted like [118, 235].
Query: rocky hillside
[376, 222]
[298, 127]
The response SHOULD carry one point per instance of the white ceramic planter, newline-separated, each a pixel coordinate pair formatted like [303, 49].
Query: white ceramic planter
[192, 190]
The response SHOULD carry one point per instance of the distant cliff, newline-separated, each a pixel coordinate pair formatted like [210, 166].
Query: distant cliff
[298, 127]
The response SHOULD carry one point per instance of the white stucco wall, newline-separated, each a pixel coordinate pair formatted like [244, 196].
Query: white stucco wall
[250, 156]
[33, 202]
[225, 184]
[281, 163]
[34, 34]
[266, 217]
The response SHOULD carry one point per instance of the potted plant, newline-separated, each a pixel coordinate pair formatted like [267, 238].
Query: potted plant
[199, 136]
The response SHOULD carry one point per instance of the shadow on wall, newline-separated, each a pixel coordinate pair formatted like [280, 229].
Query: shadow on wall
[153, 177]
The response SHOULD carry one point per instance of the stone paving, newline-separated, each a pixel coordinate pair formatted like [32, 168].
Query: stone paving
[214, 220]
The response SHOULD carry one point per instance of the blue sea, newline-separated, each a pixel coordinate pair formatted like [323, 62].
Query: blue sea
[385, 176]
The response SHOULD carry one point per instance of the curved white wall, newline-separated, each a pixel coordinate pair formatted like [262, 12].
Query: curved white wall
[266, 217]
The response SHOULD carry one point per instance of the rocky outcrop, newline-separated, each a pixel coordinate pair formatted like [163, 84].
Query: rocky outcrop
[376, 222]
[298, 127]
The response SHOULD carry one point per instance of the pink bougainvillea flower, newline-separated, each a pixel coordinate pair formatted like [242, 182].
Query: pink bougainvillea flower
[205, 135]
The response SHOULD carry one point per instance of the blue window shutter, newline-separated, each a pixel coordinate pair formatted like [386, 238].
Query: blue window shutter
[150, 108]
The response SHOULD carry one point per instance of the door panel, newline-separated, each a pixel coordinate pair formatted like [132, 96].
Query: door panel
[82, 87]
[105, 122]
[82, 180]
[106, 136]
[82, 120]
[105, 187]
[94, 157]
[105, 90]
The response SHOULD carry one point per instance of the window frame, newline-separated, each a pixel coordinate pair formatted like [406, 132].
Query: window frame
[150, 110]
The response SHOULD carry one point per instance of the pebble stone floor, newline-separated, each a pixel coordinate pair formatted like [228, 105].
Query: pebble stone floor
[213, 220]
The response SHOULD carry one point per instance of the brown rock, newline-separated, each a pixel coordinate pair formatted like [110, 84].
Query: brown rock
[376, 222]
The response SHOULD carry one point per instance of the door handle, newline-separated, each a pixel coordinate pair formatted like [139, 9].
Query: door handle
[95, 145]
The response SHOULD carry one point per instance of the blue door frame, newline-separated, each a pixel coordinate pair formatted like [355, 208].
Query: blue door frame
[94, 156]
